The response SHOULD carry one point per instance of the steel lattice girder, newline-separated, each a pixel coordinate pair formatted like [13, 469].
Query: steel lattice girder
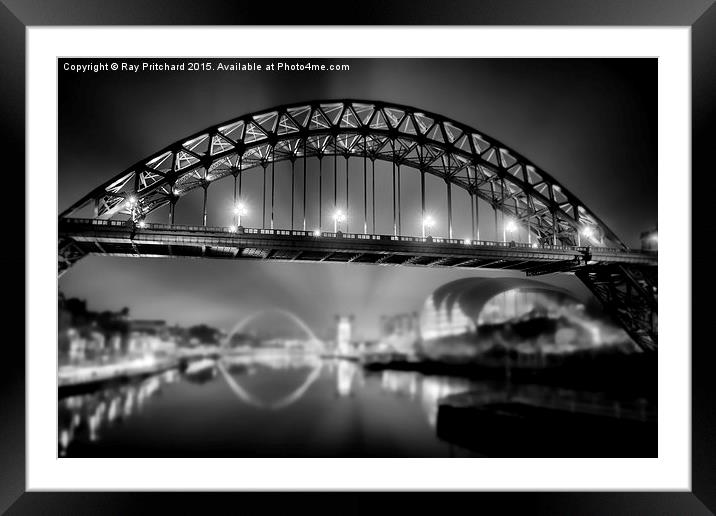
[629, 293]
[375, 130]
[68, 253]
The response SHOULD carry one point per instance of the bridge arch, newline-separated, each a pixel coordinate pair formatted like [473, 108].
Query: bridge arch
[312, 338]
[404, 136]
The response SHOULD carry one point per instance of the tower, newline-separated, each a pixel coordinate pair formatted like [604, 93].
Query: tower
[344, 329]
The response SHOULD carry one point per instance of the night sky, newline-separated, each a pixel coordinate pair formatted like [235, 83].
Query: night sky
[590, 123]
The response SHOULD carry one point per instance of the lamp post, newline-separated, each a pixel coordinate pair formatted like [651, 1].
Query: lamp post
[428, 222]
[338, 217]
[588, 232]
[136, 212]
[510, 227]
[239, 210]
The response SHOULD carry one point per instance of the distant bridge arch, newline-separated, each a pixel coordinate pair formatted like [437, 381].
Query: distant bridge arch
[313, 340]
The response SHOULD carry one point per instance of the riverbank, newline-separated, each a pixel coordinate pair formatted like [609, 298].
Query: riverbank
[79, 379]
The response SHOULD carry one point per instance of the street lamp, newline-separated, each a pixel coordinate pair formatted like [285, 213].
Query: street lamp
[510, 227]
[338, 216]
[588, 232]
[428, 222]
[239, 210]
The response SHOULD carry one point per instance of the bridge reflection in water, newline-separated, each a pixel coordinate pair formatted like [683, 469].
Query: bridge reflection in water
[286, 404]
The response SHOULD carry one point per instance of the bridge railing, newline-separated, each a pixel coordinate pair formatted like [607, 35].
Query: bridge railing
[339, 234]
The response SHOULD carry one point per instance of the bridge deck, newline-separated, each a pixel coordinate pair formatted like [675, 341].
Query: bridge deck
[119, 238]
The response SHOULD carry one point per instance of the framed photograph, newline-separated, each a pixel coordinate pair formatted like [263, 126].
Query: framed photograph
[358, 258]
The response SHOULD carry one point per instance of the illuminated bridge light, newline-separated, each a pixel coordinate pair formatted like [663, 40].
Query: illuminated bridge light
[428, 222]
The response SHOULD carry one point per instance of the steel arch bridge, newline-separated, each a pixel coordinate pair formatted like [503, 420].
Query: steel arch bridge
[562, 234]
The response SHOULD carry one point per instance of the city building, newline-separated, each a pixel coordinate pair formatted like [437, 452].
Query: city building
[399, 333]
[344, 328]
[149, 337]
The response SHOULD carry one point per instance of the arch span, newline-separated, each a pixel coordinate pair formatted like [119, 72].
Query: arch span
[372, 130]
[315, 342]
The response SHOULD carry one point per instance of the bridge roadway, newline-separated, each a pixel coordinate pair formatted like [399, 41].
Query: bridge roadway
[80, 237]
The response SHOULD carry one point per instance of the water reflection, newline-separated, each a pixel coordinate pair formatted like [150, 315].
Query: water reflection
[83, 416]
[291, 404]
[427, 390]
[232, 368]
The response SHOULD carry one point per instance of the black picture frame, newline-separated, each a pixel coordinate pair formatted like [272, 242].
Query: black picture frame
[17, 15]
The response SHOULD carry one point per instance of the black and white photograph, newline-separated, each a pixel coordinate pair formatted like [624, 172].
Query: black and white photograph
[359, 257]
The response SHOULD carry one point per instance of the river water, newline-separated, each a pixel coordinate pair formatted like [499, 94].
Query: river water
[263, 405]
[274, 403]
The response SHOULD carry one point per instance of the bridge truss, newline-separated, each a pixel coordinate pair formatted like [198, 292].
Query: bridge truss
[406, 137]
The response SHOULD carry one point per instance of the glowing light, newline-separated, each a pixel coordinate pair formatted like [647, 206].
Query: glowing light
[467, 241]
[142, 224]
[338, 217]
[232, 229]
[535, 245]
[655, 238]
[240, 209]
[588, 232]
[428, 222]
[317, 232]
[511, 226]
